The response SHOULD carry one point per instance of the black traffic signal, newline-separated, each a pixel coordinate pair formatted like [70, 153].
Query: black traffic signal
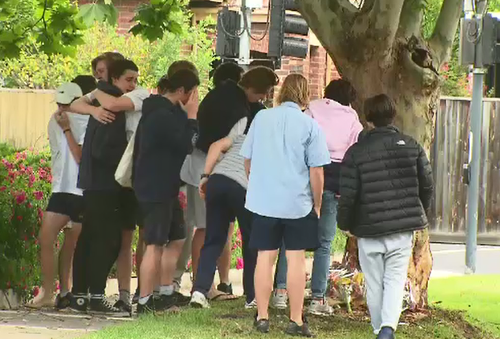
[228, 42]
[284, 23]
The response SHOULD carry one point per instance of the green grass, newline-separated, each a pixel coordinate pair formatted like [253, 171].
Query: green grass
[479, 296]
[229, 320]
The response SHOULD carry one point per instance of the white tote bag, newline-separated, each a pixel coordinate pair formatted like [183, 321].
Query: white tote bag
[123, 174]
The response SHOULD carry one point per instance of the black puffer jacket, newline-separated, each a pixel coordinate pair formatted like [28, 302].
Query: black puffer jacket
[386, 185]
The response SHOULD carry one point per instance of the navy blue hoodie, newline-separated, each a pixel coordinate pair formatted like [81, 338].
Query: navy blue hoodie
[164, 137]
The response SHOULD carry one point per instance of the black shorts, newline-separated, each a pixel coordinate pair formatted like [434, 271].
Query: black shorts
[129, 210]
[298, 234]
[163, 222]
[68, 204]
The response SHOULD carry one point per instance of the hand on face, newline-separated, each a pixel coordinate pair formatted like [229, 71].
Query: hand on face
[191, 105]
[62, 119]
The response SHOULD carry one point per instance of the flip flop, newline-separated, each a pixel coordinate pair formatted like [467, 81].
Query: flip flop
[222, 296]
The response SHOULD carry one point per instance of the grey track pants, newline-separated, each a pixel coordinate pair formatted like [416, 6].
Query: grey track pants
[384, 262]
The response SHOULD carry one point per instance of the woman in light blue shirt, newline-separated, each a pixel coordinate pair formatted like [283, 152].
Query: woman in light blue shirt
[284, 153]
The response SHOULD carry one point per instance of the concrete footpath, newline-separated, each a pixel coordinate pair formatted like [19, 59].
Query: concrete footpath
[448, 261]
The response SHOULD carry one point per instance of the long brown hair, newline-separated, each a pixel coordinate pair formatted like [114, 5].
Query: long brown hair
[295, 89]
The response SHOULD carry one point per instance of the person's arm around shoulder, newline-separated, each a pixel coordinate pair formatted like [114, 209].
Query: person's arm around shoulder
[114, 104]
[349, 191]
[425, 179]
[83, 106]
[317, 156]
[214, 152]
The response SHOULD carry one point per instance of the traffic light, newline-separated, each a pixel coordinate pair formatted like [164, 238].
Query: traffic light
[284, 23]
[228, 25]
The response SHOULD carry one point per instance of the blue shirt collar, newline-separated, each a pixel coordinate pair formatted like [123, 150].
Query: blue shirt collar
[291, 104]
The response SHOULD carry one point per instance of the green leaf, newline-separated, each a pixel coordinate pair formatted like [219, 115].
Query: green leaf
[109, 2]
[86, 14]
[7, 36]
[112, 15]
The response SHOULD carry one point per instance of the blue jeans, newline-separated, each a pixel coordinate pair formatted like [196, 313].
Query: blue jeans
[321, 264]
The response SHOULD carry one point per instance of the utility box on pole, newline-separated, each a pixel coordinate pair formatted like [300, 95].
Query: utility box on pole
[228, 25]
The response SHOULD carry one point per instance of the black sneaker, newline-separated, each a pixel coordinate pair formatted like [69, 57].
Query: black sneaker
[122, 305]
[299, 331]
[63, 302]
[137, 295]
[164, 302]
[180, 299]
[226, 288]
[79, 304]
[104, 307]
[147, 308]
[261, 325]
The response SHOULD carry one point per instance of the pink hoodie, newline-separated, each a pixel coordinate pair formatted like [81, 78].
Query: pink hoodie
[339, 123]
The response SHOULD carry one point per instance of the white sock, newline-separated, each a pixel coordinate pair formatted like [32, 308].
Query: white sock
[167, 290]
[64, 293]
[144, 300]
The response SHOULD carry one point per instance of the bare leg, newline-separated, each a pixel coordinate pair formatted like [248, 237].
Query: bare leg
[224, 261]
[198, 240]
[149, 269]
[264, 281]
[52, 224]
[66, 257]
[169, 259]
[139, 253]
[296, 283]
[124, 264]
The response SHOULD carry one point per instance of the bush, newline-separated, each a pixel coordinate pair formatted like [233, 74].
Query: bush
[34, 69]
[24, 189]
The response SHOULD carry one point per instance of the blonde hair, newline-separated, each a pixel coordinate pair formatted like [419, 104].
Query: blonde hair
[295, 89]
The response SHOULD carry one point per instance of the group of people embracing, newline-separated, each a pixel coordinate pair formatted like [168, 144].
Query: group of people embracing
[287, 175]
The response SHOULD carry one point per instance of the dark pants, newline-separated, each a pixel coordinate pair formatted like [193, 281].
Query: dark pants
[100, 240]
[225, 199]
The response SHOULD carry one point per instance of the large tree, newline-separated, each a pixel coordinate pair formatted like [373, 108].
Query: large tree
[380, 48]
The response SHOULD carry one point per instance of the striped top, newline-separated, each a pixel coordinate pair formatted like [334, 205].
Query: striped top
[232, 164]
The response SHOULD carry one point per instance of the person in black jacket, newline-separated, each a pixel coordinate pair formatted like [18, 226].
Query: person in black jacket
[107, 204]
[386, 187]
[166, 134]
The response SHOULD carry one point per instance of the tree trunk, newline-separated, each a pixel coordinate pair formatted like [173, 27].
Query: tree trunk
[415, 99]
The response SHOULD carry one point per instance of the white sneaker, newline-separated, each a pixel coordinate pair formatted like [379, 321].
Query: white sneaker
[317, 307]
[251, 305]
[198, 300]
[279, 301]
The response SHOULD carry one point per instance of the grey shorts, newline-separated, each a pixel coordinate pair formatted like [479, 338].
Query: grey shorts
[196, 213]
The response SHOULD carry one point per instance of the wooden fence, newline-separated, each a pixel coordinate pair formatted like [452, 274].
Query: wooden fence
[24, 115]
[449, 153]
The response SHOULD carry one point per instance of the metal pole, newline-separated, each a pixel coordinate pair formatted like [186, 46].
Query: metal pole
[246, 16]
[476, 111]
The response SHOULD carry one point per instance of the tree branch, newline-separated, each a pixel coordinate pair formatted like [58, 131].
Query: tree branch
[410, 22]
[329, 20]
[444, 32]
[384, 18]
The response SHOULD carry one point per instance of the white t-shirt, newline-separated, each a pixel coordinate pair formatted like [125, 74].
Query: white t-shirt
[64, 166]
[133, 117]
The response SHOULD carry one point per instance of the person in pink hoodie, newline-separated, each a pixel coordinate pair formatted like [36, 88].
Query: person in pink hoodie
[341, 126]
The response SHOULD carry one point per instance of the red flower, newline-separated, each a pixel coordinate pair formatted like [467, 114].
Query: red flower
[36, 291]
[20, 218]
[3, 188]
[38, 195]
[239, 263]
[30, 205]
[40, 212]
[21, 198]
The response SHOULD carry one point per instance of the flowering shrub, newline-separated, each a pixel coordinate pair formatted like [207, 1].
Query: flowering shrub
[236, 249]
[24, 189]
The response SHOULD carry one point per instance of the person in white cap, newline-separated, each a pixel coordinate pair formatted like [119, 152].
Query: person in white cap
[65, 209]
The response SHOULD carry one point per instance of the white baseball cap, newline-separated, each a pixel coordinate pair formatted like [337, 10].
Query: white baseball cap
[67, 93]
